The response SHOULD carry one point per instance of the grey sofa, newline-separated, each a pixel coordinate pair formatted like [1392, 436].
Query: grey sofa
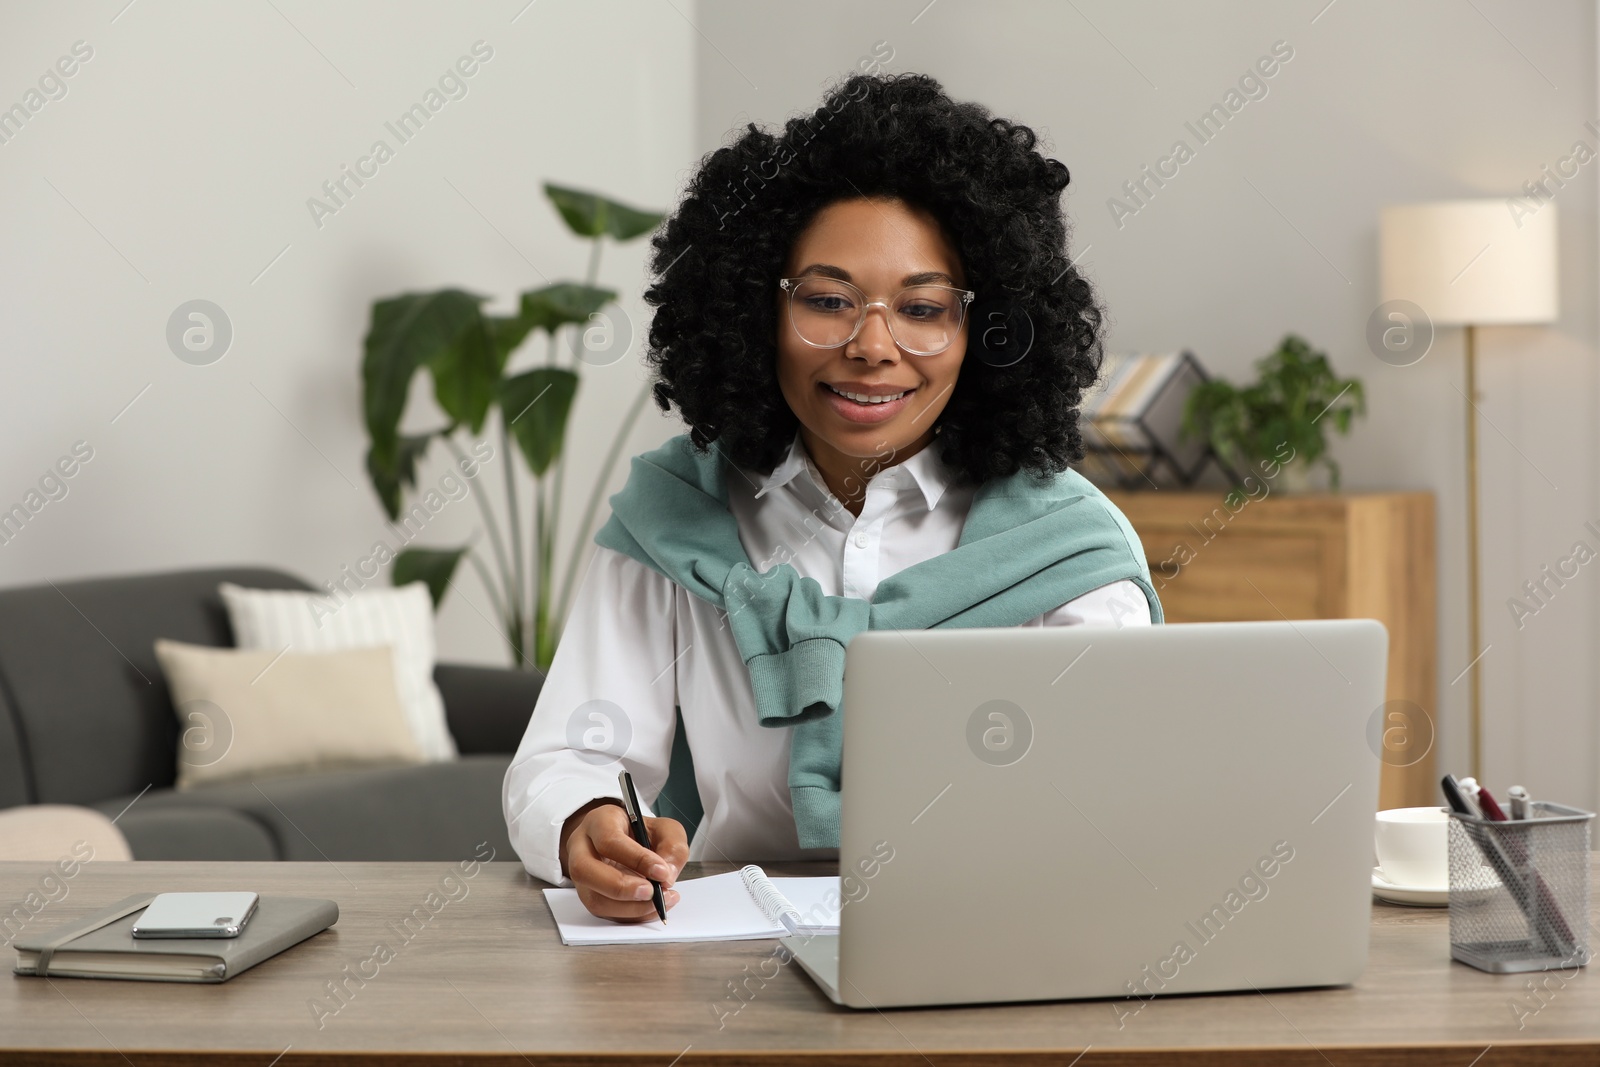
[85, 718]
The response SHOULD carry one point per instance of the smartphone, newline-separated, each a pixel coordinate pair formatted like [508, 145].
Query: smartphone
[196, 915]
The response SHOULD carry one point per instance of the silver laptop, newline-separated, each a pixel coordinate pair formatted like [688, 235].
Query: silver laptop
[1063, 812]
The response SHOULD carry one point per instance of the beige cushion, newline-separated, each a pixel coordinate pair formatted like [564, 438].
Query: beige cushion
[60, 832]
[243, 713]
[401, 618]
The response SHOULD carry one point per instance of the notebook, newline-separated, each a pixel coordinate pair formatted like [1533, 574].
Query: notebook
[102, 945]
[738, 906]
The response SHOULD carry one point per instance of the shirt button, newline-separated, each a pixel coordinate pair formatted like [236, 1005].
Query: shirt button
[861, 540]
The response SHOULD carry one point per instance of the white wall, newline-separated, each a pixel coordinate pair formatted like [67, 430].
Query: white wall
[1381, 103]
[178, 166]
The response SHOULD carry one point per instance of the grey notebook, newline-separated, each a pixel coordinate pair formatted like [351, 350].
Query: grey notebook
[102, 945]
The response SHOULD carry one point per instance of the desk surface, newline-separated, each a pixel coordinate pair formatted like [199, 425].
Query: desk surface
[487, 975]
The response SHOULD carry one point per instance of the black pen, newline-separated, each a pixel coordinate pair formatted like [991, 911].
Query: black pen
[630, 804]
[1456, 796]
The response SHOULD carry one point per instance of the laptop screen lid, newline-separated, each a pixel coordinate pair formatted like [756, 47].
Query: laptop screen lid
[1059, 812]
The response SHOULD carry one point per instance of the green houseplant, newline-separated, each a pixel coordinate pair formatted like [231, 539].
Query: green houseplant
[1288, 408]
[466, 352]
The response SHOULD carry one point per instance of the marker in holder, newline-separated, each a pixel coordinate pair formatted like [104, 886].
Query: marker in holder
[1519, 889]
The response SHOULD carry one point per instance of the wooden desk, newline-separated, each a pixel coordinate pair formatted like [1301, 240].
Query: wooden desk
[486, 981]
[1224, 557]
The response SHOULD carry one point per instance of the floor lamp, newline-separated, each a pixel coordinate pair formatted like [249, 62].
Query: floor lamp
[1469, 263]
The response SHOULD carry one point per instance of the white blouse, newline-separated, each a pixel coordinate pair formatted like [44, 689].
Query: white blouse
[636, 646]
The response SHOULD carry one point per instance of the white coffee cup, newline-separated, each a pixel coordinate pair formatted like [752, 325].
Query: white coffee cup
[1413, 846]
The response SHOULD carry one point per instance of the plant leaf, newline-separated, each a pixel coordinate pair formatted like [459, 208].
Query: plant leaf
[555, 306]
[405, 333]
[625, 223]
[506, 334]
[400, 468]
[535, 406]
[545, 309]
[1295, 398]
[590, 214]
[434, 566]
[466, 373]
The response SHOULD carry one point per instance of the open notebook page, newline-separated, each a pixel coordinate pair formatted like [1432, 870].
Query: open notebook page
[716, 908]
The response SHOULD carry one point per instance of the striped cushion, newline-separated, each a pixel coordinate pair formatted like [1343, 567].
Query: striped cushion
[312, 622]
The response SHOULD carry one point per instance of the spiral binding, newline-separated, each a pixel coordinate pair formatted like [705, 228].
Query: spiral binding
[773, 904]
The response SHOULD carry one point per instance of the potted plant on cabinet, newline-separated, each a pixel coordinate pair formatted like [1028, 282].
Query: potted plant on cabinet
[1282, 419]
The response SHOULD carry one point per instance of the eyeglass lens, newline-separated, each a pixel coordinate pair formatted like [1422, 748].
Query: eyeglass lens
[922, 320]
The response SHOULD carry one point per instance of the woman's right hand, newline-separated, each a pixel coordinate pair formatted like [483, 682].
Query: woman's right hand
[611, 870]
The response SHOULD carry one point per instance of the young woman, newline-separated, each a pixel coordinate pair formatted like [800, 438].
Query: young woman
[875, 336]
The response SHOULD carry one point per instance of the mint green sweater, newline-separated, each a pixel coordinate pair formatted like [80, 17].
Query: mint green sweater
[1028, 546]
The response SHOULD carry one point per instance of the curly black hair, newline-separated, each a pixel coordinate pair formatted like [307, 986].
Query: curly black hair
[716, 261]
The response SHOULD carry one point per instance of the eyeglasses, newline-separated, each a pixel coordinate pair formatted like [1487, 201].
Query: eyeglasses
[923, 319]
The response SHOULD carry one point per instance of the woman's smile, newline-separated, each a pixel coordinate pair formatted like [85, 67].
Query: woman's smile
[867, 404]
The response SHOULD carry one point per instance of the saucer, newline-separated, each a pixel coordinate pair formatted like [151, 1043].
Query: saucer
[1416, 896]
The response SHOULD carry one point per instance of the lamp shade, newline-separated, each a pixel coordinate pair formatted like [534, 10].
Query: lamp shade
[1470, 261]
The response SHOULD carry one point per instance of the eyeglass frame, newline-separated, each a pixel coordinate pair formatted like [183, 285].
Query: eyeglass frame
[967, 296]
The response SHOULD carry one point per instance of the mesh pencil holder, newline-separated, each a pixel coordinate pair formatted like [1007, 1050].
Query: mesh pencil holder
[1519, 890]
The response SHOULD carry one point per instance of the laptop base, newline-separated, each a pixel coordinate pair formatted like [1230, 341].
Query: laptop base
[818, 956]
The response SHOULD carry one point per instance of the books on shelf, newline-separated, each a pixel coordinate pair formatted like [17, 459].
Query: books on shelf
[1132, 420]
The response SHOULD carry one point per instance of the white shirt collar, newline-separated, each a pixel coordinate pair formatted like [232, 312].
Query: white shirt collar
[925, 470]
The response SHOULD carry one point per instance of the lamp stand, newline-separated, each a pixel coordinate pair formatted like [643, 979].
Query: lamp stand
[1474, 705]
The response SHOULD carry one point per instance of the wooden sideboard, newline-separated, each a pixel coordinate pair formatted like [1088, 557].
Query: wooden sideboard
[1216, 557]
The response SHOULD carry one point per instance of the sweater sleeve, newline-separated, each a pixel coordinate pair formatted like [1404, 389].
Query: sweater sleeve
[607, 705]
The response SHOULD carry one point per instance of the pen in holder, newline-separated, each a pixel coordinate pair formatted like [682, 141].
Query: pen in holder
[1519, 889]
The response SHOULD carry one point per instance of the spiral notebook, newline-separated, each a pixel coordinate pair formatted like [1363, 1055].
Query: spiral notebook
[738, 906]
